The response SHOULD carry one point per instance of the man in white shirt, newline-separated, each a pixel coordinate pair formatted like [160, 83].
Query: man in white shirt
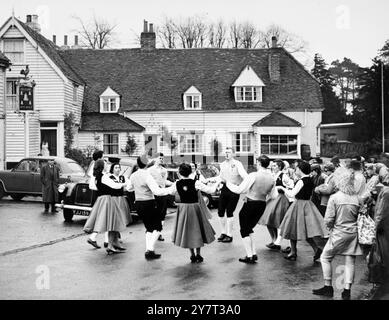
[232, 171]
[159, 173]
[257, 186]
[145, 188]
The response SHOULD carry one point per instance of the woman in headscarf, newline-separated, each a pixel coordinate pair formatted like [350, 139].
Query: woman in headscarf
[341, 220]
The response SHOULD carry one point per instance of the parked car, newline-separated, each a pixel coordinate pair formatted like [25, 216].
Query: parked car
[210, 171]
[24, 179]
[78, 199]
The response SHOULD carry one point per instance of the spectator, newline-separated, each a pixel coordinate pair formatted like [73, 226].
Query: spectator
[50, 180]
[317, 179]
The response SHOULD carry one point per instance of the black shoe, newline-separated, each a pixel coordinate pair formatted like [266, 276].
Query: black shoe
[317, 254]
[273, 246]
[193, 258]
[286, 250]
[346, 294]
[151, 255]
[119, 248]
[247, 260]
[160, 238]
[222, 236]
[113, 251]
[255, 257]
[227, 239]
[93, 243]
[199, 258]
[327, 291]
[105, 244]
[291, 257]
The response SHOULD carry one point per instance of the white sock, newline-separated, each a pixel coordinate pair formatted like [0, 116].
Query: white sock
[223, 225]
[148, 240]
[279, 238]
[106, 237]
[252, 243]
[93, 236]
[230, 223]
[154, 237]
[247, 245]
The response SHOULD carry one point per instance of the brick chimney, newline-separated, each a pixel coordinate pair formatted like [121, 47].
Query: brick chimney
[32, 22]
[54, 39]
[147, 37]
[76, 46]
[274, 62]
[65, 42]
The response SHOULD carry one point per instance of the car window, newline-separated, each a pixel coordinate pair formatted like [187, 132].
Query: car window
[27, 166]
[71, 167]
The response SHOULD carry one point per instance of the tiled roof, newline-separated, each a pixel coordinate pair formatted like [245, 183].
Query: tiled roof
[52, 52]
[277, 119]
[4, 60]
[95, 121]
[155, 80]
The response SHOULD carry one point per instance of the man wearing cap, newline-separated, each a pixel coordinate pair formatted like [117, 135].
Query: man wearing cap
[159, 173]
[145, 188]
[232, 171]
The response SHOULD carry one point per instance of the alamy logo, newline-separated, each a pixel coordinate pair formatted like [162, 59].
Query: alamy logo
[42, 282]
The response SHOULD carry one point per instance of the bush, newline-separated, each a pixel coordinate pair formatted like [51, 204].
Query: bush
[79, 156]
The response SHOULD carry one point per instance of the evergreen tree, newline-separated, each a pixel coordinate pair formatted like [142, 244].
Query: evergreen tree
[333, 111]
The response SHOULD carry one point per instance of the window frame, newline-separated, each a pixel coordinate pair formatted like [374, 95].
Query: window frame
[280, 144]
[193, 96]
[10, 54]
[240, 93]
[248, 139]
[75, 94]
[198, 149]
[109, 100]
[109, 145]
[15, 105]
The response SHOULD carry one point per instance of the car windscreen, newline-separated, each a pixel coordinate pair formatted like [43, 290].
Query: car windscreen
[72, 168]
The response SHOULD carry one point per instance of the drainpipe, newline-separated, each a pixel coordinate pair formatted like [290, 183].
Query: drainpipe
[305, 118]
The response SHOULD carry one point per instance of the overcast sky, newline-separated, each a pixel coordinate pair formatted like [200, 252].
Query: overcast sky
[356, 29]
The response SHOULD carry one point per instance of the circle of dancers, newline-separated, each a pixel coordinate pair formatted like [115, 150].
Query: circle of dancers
[302, 201]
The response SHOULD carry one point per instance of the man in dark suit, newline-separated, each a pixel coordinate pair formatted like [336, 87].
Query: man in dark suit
[50, 181]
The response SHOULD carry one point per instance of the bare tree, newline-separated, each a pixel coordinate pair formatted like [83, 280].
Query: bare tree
[235, 34]
[250, 36]
[192, 32]
[289, 41]
[96, 34]
[217, 34]
[167, 33]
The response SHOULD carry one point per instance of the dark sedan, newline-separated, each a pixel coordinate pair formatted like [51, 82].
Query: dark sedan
[24, 179]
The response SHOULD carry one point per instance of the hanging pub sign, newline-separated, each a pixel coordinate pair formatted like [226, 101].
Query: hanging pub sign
[26, 96]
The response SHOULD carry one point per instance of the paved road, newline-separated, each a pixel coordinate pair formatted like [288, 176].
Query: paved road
[34, 244]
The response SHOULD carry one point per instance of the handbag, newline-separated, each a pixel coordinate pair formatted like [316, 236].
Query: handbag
[375, 265]
[366, 228]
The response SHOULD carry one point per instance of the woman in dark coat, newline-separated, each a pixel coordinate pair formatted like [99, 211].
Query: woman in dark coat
[50, 181]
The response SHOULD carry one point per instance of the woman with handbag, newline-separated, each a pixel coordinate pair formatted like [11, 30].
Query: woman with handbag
[341, 219]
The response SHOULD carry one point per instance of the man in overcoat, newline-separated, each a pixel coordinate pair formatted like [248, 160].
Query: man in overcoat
[50, 181]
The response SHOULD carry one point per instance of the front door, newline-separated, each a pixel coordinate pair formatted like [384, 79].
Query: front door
[151, 144]
[49, 142]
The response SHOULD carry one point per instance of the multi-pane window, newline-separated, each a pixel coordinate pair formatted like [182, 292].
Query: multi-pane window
[248, 94]
[191, 143]
[14, 50]
[12, 95]
[111, 143]
[241, 141]
[192, 102]
[279, 144]
[109, 104]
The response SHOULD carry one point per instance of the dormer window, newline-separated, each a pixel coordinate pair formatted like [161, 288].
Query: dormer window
[109, 101]
[248, 86]
[192, 99]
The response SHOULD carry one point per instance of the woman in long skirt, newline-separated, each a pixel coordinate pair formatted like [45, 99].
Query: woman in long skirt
[191, 227]
[303, 220]
[276, 208]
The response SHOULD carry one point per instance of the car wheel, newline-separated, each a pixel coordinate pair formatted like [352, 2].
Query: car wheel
[2, 192]
[17, 196]
[68, 215]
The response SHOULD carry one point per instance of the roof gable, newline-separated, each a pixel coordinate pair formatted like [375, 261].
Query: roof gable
[108, 122]
[248, 77]
[192, 90]
[109, 92]
[277, 119]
